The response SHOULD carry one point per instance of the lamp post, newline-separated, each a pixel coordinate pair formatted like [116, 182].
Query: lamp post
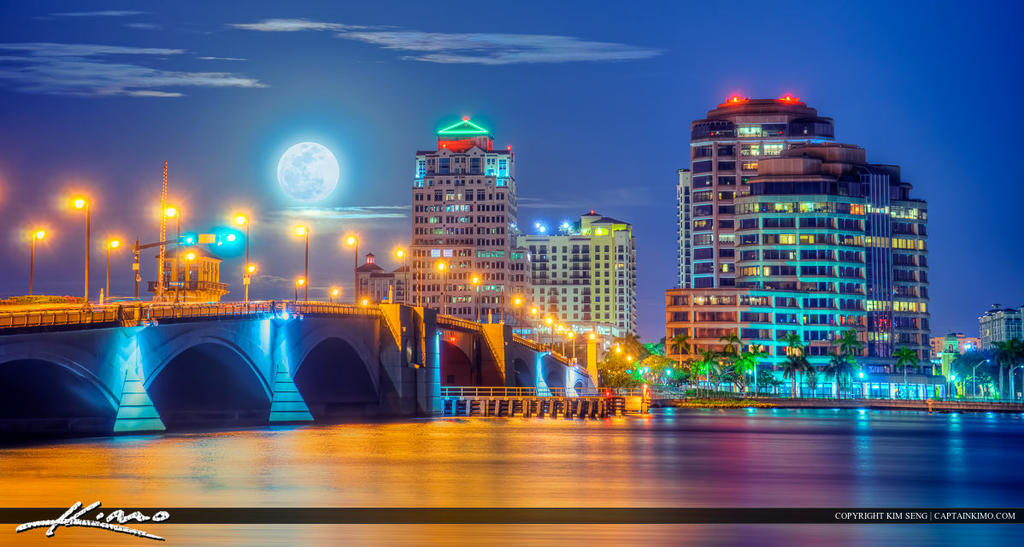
[572, 343]
[476, 298]
[536, 324]
[38, 234]
[299, 282]
[443, 268]
[404, 257]
[335, 292]
[82, 203]
[353, 242]
[517, 303]
[111, 245]
[304, 233]
[175, 213]
[243, 220]
[549, 321]
[974, 378]
[189, 257]
[950, 382]
[250, 270]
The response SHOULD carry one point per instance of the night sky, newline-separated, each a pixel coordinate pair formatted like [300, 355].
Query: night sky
[595, 101]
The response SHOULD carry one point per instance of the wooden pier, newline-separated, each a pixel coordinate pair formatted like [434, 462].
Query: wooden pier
[526, 402]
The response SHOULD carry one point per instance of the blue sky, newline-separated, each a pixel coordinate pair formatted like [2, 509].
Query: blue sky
[595, 100]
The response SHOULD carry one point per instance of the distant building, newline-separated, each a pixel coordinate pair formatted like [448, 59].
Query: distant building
[377, 284]
[684, 254]
[195, 280]
[955, 342]
[464, 207]
[999, 325]
[793, 233]
[584, 274]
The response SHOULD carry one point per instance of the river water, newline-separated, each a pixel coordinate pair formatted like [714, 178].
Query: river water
[671, 458]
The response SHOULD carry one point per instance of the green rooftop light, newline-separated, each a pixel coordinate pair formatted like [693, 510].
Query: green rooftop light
[464, 127]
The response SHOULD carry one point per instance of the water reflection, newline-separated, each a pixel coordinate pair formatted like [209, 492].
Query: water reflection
[691, 457]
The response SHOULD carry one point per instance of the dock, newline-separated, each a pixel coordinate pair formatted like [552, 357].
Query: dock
[529, 402]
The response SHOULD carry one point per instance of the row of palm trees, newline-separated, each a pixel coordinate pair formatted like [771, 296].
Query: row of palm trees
[1004, 357]
[734, 362]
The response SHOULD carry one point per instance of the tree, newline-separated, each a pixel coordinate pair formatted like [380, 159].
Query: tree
[966, 367]
[811, 377]
[745, 362]
[1006, 355]
[767, 379]
[795, 364]
[722, 373]
[681, 344]
[905, 358]
[708, 359]
[732, 342]
[839, 367]
[848, 343]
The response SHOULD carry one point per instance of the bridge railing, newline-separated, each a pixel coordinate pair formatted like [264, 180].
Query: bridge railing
[327, 308]
[162, 310]
[59, 317]
[452, 321]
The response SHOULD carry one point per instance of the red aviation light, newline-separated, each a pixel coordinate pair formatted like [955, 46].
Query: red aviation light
[789, 99]
[734, 100]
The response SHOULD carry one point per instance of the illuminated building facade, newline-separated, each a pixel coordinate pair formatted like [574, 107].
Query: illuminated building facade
[684, 223]
[377, 284]
[192, 280]
[956, 343]
[464, 206]
[816, 242]
[584, 275]
[999, 325]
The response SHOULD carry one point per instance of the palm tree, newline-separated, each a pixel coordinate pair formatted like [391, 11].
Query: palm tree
[746, 362]
[681, 343]
[722, 374]
[1017, 350]
[905, 358]
[708, 359]
[732, 342]
[794, 342]
[848, 343]
[839, 367]
[793, 366]
[1007, 354]
[811, 377]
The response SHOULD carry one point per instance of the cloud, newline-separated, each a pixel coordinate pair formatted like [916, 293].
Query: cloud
[499, 49]
[292, 25]
[143, 26]
[87, 70]
[104, 13]
[367, 212]
[221, 59]
[468, 48]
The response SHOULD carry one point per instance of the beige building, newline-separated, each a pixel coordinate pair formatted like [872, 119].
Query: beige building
[379, 285]
[191, 274]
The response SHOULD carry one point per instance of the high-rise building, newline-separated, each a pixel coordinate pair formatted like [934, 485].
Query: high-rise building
[999, 325]
[725, 149]
[464, 205]
[815, 242]
[684, 226]
[584, 275]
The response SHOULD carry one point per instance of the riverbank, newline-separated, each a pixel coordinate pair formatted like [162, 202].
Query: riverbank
[875, 404]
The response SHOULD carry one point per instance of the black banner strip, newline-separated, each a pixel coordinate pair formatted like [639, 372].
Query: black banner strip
[520, 515]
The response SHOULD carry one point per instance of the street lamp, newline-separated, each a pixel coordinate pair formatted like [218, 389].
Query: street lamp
[476, 299]
[353, 241]
[536, 324]
[572, 343]
[952, 381]
[83, 204]
[974, 378]
[517, 303]
[335, 292]
[404, 257]
[299, 282]
[443, 268]
[175, 213]
[303, 232]
[365, 302]
[111, 245]
[243, 220]
[549, 321]
[189, 257]
[38, 234]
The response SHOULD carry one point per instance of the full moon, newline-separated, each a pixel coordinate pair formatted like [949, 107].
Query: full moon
[308, 172]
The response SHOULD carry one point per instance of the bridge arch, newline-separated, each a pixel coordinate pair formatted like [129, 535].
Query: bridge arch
[523, 374]
[457, 368]
[49, 394]
[210, 382]
[335, 379]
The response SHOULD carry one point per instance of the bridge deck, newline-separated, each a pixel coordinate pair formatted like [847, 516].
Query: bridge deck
[509, 402]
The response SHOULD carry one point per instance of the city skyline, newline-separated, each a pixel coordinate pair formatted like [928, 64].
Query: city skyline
[223, 142]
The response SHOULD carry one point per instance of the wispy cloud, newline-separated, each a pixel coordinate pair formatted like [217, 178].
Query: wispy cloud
[143, 26]
[88, 70]
[103, 13]
[499, 49]
[292, 25]
[368, 212]
[221, 58]
[468, 48]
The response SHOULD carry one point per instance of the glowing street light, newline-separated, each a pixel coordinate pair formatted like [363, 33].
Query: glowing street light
[442, 267]
[365, 302]
[175, 213]
[82, 203]
[335, 292]
[299, 282]
[242, 220]
[303, 232]
[353, 241]
[189, 258]
[38, 234]
[404, 257]
[111, 245]
[534, 314]
[475, 280]
[517, 303]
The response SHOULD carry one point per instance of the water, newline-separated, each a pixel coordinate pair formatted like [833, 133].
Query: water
[674, 458]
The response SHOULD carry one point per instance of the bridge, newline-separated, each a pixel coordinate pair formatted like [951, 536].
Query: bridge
[149, 367]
